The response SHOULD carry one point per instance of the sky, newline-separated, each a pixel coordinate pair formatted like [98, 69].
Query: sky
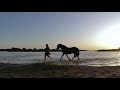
[85, 30]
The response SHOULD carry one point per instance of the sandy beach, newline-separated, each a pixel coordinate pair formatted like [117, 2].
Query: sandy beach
[53, 70]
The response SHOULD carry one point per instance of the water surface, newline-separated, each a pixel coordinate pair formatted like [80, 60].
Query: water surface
[91, 58]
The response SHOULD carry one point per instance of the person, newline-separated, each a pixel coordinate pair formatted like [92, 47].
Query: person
[47, 51]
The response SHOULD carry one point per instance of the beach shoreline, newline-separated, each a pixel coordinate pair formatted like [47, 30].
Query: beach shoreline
[53, 70]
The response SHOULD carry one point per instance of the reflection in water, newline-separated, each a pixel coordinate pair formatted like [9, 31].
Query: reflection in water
[86, 58]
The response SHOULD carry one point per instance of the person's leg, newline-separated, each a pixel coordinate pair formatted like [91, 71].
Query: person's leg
[49, 56]
[45, 57]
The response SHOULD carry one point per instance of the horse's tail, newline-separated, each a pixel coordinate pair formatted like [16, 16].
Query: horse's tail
[78, 52]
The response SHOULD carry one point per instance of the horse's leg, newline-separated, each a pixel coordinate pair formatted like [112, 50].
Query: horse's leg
[73, 58]
[68, 57]
[78, 58]
[61, 57]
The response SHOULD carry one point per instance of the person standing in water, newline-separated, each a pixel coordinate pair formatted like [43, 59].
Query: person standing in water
[47, 51]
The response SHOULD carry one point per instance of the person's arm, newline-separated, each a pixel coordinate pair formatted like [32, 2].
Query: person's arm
[45, 49]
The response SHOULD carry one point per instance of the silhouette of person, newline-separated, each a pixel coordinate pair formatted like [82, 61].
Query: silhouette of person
[47, 51]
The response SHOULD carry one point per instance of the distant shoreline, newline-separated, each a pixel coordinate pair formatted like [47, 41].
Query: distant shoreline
[39, 51]
[113, 50]
[30, 50]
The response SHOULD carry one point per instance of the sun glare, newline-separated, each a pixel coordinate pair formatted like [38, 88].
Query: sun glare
[110, 37]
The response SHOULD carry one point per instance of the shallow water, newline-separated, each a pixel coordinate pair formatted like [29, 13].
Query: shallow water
[90, 58]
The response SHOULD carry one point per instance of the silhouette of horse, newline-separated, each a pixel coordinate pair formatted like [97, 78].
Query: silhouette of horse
[66, 50]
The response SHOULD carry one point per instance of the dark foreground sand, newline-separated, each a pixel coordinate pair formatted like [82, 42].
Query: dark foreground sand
[52, 70]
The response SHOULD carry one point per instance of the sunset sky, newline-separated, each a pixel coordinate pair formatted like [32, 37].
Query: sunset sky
[85, 30]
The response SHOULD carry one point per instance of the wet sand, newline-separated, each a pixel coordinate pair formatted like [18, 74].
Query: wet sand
[58, 69]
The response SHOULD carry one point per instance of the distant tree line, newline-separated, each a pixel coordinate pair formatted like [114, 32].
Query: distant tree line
[24, 49]
[13, 49]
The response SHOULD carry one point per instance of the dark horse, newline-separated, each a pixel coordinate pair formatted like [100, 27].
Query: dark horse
[67, 50]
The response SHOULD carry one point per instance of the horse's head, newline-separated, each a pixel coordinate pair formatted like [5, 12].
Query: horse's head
[58, 46]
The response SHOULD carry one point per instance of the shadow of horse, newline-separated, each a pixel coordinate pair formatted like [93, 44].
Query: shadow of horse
[66, 50]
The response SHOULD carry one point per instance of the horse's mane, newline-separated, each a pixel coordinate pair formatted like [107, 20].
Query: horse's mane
[66, 46]
[62, 45]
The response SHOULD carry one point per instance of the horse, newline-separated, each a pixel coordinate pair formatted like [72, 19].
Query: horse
[66, 50]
